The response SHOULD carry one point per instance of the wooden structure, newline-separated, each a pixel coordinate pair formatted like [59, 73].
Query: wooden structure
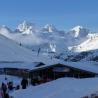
[20, 69]
[15, 72]
[39, 73]
[52, 72]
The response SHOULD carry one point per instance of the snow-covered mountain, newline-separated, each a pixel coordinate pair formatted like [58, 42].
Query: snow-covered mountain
[90, 43]
[79, 31]
[10, 51]
[14, 52]
[26, 28]
[49, 28]
[49, 39]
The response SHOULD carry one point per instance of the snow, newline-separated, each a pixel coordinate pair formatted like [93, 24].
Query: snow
[52, 41]
[87, 66]
[11, 62]
[91, 43]
[79, 31]
[49, 28]
[26, 27]
[49, 38]
[13, 55]
[29, 65]
[10, 51]
[20, 65]
[16, 80]
[13, 52]
[61, 88]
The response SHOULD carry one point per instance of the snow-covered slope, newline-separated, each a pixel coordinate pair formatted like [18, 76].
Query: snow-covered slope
[91, 43]
[10, 51]
[13, 52]
[61, 88]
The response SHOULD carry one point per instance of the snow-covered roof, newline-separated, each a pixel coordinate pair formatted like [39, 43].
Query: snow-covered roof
[86, 66]
[28, 65]
[19, 65]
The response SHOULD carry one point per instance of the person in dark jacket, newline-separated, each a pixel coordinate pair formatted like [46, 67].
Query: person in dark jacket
[24, 83]
[10, 85]
[6, 95]
[4, 89]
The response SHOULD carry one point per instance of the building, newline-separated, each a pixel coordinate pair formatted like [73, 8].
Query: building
[40, 72]
[48, 73]
[20, 69]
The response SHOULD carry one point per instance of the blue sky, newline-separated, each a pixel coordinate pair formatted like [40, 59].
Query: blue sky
[64, 14]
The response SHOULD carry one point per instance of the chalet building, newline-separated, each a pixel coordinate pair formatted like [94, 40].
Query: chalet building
[19, 69]
[17, 72]
[39, 72]
[48, 73]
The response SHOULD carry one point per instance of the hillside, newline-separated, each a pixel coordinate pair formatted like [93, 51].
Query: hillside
[10, 51]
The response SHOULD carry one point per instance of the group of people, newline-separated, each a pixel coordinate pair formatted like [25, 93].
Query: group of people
[5, 88]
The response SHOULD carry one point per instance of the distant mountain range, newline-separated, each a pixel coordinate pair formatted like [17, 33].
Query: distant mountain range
[49, 39]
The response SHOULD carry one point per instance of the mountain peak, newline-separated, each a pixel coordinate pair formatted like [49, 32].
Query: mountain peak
[49, 28]
[77, 28]
[79, 31]
[26, 27]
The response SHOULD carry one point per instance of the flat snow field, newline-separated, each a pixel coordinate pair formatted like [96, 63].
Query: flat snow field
[61, 88]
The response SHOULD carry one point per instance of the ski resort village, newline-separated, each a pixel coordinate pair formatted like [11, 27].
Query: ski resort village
[48, 48]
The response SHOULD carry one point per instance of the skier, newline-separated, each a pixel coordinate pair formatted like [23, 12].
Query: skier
[38, 51]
